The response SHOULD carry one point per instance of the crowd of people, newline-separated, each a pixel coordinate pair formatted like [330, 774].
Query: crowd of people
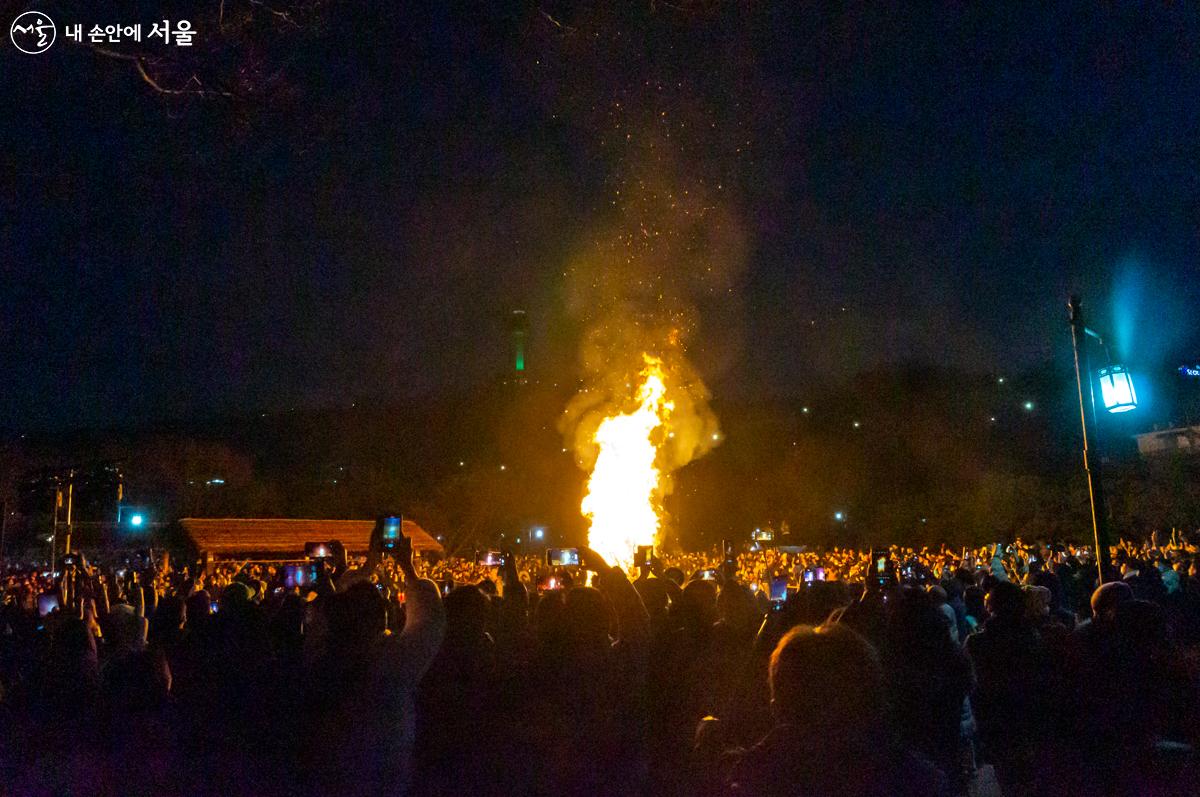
[766, 671]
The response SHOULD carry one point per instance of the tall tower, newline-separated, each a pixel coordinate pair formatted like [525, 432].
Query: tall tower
[519, 328]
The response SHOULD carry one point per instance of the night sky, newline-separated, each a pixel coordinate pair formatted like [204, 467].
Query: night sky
[811, 192]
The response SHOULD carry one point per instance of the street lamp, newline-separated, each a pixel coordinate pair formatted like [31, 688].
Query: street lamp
[1116, 391]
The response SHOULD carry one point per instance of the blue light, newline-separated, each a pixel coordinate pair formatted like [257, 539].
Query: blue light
[539, 533]
[839, 516]
[136, 520]
[1116, 389]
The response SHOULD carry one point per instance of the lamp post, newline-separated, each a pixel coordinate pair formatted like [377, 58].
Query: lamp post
[1118, 395]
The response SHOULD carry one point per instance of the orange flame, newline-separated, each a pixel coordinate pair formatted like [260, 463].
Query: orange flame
[623, 501]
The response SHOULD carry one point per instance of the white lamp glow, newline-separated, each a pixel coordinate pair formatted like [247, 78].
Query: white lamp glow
[1116, 389]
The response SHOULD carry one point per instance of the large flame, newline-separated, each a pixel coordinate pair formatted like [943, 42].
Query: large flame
[623, 500]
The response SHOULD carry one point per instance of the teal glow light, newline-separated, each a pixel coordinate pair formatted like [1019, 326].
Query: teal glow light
[1116, 389]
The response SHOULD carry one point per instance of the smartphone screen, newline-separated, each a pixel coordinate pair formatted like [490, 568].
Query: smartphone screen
[391, 532]
[490, 559]
[300, 575]
[818, 574]
[881, 565]
[46, 603]
[644, 554]
[779, 588]
[317, 550]
[708, 575]
[562, 557]
[810, 575]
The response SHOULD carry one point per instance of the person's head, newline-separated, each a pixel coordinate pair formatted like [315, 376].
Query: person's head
[1037, 601]
[236, 597]
[124, 632]
[653, 593]
[585, 619]
[466, 613]
[697, 606]
[915, 627]
[735, 606]
[287, 623]
[197, 606]
[826, 678]
[356, 617]
[169, 617]
[674, 574]
[973, 600]
[1006, 601]
[1051, 582]
[1108, 597]
[72, 647]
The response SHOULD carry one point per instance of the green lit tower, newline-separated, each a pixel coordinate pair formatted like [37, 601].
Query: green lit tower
[519, 327]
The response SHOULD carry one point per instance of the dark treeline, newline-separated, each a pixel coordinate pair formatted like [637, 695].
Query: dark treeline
[916, 455]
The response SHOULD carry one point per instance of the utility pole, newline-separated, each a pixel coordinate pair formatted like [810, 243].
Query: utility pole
[1091, 452]
[70, 498]
[54, 528]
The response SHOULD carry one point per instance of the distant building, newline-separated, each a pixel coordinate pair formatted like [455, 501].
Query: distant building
[1184, 439]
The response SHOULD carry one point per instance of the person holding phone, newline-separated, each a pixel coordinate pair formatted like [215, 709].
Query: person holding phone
[377, 672]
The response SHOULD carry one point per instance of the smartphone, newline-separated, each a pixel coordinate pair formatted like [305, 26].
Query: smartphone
[391, 533]
[763, 535]
[562, 557]
[70, 560]
[46, 603]
[214, 607]
[818, 574]
[709, 575]
[727, 549]
[779, 589]
[318, 550]
[301, 575]
[810, 575]
[645, 553]
[490, 558]
[881, 561]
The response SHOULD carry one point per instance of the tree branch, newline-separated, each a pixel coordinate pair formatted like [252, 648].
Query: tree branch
[140, 64]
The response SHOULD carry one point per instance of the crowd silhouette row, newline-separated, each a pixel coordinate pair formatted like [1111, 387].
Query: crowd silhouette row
[886, 672]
